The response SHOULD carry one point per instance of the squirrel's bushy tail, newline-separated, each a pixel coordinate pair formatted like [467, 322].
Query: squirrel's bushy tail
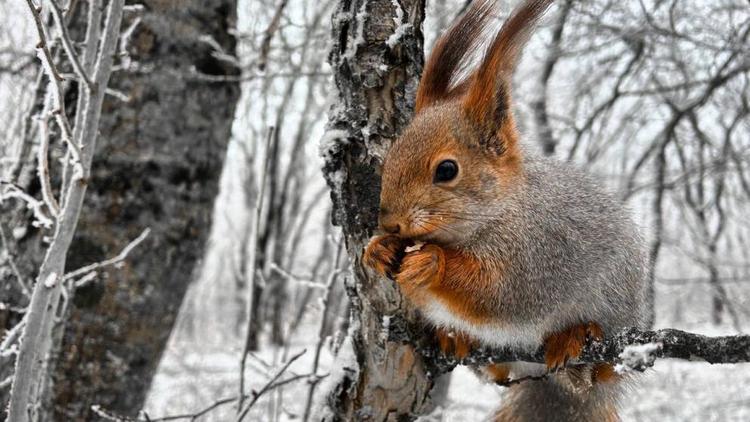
[564, 397]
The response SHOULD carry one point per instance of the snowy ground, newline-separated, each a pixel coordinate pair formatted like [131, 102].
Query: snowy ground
[671, 391]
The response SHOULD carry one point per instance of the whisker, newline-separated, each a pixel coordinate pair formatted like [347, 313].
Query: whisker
[441, 201]
[466, 217]
[469, 214]
[427, 225]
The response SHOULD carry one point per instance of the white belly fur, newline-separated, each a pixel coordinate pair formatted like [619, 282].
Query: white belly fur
[523, 337]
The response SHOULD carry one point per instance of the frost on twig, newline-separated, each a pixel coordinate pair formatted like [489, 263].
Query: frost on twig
[51, 280]
[630, 349]
[41, 315]
[85, 272]
[37, 207]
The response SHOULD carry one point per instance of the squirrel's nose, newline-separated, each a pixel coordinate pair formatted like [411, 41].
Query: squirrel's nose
[388, 223]
[392, 228]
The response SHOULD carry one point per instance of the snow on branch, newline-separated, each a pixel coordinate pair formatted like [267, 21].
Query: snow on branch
[630, 349]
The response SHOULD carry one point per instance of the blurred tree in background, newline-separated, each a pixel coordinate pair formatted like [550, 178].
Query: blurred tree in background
[164, 132]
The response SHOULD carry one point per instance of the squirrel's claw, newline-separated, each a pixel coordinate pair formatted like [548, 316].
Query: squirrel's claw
[560, 347]
[498, 373]
[422, 267]
[383, 254]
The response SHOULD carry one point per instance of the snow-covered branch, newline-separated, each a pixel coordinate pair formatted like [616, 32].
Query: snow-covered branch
[630, 349]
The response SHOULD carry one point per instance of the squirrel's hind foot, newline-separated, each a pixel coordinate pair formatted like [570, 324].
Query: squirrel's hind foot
[568, 344]
[455, 343]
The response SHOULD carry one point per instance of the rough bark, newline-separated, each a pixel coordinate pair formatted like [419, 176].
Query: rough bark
[376, 58]
[157, 165]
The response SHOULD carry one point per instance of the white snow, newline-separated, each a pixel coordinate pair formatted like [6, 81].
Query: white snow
[359, 37]
[51, 280]
[401, 27]
[637, 356]
[332, 141]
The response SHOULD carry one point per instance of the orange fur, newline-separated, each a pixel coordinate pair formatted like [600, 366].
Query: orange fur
[464, 287]
[498, 372]
[449, 56]
[603, 373]
[568, 344]
[488, 99]
[497, 67]
[455, 343]
[468, 120]
[457, 280]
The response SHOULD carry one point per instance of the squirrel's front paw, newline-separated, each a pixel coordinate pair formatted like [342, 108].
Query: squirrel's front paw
[383, 254]
[565, 345]
[422, 267]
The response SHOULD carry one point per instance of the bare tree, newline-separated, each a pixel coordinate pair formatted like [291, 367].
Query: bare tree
[28, 388]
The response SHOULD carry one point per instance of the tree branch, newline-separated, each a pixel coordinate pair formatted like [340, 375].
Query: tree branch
[83, 271]
[631, 349]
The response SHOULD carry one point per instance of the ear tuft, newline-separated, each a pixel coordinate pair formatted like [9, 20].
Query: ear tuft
[487, 101]
[451, 54]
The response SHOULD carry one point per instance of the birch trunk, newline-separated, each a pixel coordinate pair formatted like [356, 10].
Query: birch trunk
[377, 59]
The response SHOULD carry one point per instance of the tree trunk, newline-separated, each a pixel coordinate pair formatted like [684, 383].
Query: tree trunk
[157, 165]
[377, 59]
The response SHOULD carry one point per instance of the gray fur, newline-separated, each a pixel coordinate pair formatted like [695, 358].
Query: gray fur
[575, 257]
[575, 254]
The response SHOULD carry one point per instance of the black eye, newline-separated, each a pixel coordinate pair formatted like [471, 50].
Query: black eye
[446, 171]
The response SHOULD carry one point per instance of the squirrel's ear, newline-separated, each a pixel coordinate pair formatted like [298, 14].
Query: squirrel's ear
[451, 54]
[487, 100]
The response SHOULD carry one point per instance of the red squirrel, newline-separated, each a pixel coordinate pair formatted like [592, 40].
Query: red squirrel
[517, 250]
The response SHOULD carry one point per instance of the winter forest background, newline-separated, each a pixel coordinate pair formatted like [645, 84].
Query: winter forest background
[213, 105]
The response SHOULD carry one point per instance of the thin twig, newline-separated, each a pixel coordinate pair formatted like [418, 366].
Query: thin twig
[12, 335]
[55, 80]
[515, 381]
[304, 281]
[68, 45]
[250, 275]
[616, 349]
[321, 330]
[36, 206]
[269, 384]
[43, 165]
[45, 299]
[202, 412]
[6, 382]
[12, 263]
[122, 256]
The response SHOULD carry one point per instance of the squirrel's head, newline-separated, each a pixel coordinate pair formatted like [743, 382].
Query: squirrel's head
[447, 174]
